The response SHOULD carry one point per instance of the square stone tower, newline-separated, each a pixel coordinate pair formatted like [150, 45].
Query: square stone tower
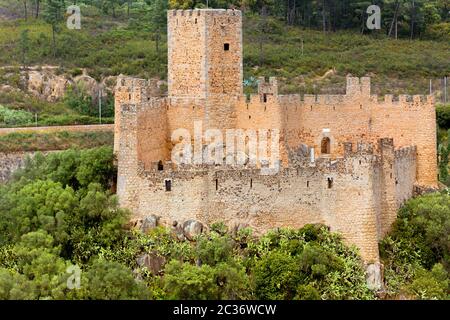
[205, 68]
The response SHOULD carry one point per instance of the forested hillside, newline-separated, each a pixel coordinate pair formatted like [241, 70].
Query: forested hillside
[310, 45]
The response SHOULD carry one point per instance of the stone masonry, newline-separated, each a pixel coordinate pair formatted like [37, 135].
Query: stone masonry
[347, 161]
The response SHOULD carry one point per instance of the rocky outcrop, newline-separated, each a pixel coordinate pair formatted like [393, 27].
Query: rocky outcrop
[45, 84]
[152, 261]
[50, 83]
[191, 229]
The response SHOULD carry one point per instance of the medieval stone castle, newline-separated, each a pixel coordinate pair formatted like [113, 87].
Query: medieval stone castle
[347, 161]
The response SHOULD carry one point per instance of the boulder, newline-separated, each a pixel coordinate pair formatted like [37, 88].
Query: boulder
[374, 276]
[192, 228]
[153, 262]
[148, 223]
[88, 85]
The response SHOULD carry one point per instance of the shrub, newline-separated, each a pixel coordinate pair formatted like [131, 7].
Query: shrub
[443, 116]
[10, 117]
[417, 242]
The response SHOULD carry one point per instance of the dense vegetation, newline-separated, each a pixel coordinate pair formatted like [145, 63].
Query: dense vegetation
[443, 125]
[62, 140]
[417, 252]
[58, 212]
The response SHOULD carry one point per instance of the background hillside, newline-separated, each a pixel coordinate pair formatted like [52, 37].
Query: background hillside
[309, 47]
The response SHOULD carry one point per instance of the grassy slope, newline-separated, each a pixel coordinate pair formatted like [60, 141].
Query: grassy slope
[54, 141]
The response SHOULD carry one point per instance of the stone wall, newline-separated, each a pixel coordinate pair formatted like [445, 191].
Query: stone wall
[338, 194]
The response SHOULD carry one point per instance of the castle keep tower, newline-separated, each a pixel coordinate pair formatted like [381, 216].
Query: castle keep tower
[205, 65]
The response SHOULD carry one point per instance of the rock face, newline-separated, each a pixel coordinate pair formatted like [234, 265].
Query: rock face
[45, 84]
[191, 229]
[153, 262]
[374, 276]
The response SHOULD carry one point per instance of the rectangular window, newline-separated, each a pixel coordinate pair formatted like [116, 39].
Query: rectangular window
[226, 47]
[168, 184]
[330, 183]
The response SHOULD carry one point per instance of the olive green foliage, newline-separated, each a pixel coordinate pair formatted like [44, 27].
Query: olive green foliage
[58, 140]
[443, 116]
[57, 212]
[10, 117]
[81, 102]
[309, 263]
[111, 280]
[417, 252]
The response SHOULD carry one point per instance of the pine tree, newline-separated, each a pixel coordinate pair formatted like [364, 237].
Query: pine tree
[53, 15]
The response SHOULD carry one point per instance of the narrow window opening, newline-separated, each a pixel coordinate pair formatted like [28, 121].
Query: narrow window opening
[217, 184]
[226, 47]
[326, 146]
[168, 184]
[195, 20]
[330, 183]
[265, 97]
[160, 166]
[251, 183]
[129, 96]
[307, 184]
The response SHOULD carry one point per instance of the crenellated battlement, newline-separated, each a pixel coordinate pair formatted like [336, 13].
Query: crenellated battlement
[204, 12]
[409, 151]
[357, 89]
[134, 90]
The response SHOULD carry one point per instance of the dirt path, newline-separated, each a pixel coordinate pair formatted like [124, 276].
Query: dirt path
[78, 128]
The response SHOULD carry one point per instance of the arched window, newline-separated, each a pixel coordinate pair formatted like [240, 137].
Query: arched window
[326, 146]
[160, 166]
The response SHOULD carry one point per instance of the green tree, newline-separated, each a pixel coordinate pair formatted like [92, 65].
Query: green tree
[431, 285]
[24, 46]
[53, 15]
[107, 280]
[190, 282]
[157, 15]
